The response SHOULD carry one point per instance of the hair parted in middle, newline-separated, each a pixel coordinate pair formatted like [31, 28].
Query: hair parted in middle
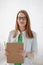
[27, 27]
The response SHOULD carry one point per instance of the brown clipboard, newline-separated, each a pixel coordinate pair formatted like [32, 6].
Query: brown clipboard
[13, 48]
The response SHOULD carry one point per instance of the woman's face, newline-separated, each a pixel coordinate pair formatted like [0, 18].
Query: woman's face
[21, 20]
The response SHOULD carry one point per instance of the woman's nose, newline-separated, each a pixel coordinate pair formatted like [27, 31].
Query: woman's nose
[21, 20]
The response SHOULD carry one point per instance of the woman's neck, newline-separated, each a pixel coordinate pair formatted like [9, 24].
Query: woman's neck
[22, 29]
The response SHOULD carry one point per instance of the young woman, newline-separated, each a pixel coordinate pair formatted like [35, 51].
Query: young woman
[29, 40]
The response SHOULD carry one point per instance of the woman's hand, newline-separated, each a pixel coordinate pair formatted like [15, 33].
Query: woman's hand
[22, 53]
[30, 55]
[7, 52]
[26, 54]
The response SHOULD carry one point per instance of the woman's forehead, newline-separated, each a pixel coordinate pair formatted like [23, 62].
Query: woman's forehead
[21, 14]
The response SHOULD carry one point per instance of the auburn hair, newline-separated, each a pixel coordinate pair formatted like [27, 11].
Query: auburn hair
[29, 33]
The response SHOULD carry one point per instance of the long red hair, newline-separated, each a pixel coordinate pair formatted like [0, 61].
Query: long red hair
[28, 27]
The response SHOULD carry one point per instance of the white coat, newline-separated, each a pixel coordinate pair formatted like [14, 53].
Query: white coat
[30, 45]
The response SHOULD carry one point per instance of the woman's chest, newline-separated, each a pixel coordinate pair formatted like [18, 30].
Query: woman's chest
[26, 42]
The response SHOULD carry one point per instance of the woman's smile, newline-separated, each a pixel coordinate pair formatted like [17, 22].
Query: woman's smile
[21, 22]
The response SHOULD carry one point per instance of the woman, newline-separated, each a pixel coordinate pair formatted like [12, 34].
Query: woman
[29, 37]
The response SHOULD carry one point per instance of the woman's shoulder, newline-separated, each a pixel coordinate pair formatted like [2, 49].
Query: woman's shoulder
[34, 33]
[11, 32]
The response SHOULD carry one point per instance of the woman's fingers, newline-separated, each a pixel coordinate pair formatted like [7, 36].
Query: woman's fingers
[22, 52]
[7, 52]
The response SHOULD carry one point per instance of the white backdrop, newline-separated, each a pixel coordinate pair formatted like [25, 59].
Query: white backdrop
[8, 12]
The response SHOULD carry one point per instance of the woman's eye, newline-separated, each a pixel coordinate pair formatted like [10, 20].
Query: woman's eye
[23, 18]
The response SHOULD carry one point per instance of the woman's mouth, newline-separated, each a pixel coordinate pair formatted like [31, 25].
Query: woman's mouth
[21, 22]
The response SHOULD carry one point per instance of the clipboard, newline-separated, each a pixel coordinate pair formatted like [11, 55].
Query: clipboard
[13, 48]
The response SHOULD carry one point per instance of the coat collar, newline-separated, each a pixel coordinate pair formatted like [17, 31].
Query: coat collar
[23, 33]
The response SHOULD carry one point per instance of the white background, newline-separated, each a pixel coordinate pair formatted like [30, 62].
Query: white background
[8, 12]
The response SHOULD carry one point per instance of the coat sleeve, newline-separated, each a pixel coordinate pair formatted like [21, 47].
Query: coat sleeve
[10, 36]
[34, 47]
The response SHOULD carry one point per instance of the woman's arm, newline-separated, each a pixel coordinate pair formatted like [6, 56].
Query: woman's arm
[34, 49]
[30, 55]
[26, 54]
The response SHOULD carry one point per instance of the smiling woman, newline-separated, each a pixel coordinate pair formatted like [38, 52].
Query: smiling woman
[29, 39]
